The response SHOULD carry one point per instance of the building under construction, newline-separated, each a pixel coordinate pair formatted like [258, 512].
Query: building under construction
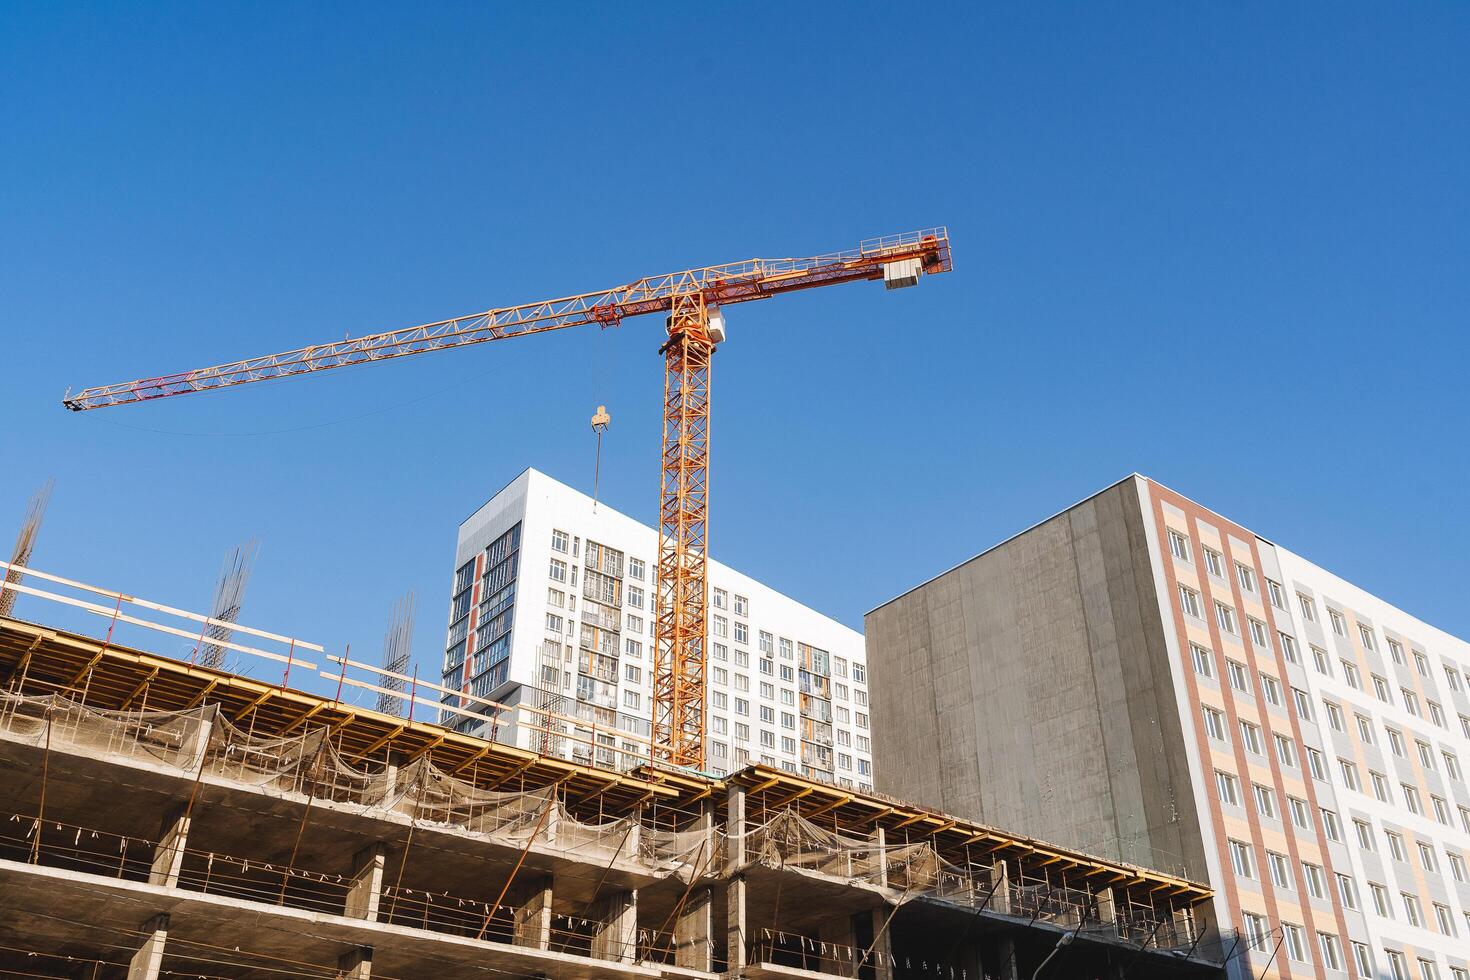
[165, 817]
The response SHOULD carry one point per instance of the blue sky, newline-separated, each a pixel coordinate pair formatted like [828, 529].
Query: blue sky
[1223, 245]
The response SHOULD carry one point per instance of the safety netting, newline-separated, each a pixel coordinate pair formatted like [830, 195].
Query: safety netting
[310, 764]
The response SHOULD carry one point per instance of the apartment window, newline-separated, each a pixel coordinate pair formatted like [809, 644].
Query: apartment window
[767, 643]
[839, 667]
[1294, 945]
[1350, 674]
[1280, 870]
[553, 623]
[1395, 741]
[787, 673]
[1457, 866]
[1365, 834]
[1255, 931]
[1380, 785]
[1288, 647]
[1452, 767]
[1347, 892]
[1309, 608]
[1178, 545]
[1436, 714]
[1247, 577]
[1276, 593]
[1315, 764]
[742, 730]
[1441, 810]
[1334, 716]
[1427, 969]
[860, 718]
[1203, 664]
[1365, 729]
[636, 569]
[1237, 675]
[1397, 964]
[1444, 920]
[635, 597]
[1285, 750]
[1465, 725]
[788, 720]
[1363, 960]
[722, 598]
[1380, 900]
[1411, 799]
[1300, 815]
[1411, 701]
[1271, 689]
[1225, 616]
[742, 632]
[1227, 787]
[556, 599]
[1366, 634]
[1189, 602]
[1411, 909]
[1396, 846]
[1426, 754]
[768, 714]
[1322, 661]
[1330, 824]
[1240, 859]
[742, 706]
[560, 541]
[1339, 625]
[721, 626]
[719, 699]
[1350, 774]
[859, 673]
[1381, 689]
[1258, 634]
[632, 699]
[1452, 677]
[1250, 736]
[1265, 800]
[1312, 875]
[1421, 664]
[1303, 703]
[1331, 952]
[1214, 563]
[558, 570]
[1214, 723]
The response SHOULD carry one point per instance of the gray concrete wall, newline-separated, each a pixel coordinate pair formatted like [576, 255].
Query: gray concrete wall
[1030, 689]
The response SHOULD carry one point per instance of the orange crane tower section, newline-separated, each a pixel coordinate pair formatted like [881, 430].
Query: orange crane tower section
[691, 302]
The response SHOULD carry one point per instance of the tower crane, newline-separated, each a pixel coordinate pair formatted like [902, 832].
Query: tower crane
[692, 302]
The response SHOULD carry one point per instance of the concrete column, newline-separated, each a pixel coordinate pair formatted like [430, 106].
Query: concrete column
[367, 883]
[1107, 907]
[882, 944]
[168, 856]
[630, 845]
[533, 918]
[692, 939]
[201, 737]
[1184, 925]
[735, 827]
[1000, 888]
[736, 931]
[148, 960]
[1006, 965]
[356, 965]
[880, 841]
[551, 826]
[617, 932]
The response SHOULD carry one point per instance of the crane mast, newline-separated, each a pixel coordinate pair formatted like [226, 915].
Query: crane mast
[691, 302]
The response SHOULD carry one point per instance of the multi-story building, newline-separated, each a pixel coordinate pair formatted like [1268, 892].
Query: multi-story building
[552, 618]
[1142, 677]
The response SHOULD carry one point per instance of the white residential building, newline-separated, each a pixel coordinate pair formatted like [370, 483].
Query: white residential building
[552, 617]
